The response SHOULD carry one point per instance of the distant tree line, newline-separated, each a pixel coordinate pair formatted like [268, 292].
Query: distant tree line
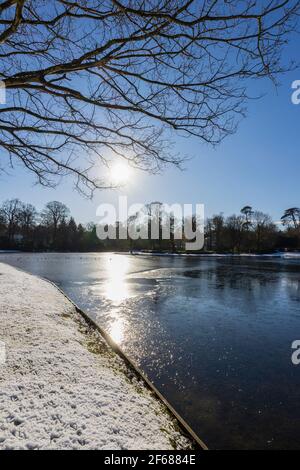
[253, 231]
[54, 229]
[22, 227]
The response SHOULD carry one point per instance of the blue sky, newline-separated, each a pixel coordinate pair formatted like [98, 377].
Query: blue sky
[259, 165]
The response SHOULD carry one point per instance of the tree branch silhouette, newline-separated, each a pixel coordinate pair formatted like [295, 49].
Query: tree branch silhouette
[90, 79]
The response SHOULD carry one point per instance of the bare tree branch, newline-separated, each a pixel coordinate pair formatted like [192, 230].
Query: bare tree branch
[88, 80]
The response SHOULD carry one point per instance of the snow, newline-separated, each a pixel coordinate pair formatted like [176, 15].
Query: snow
[61, 386]
[281, 255]
[292, 255]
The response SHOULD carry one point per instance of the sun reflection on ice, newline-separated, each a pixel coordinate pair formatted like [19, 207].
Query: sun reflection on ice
[117, 329]
[117, 291]
[116, 287]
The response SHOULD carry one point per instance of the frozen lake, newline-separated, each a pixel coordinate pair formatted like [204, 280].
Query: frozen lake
[214, 335]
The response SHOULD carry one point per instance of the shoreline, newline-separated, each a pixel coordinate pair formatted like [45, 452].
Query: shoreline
[278, 255]
[281, 255]
[62, 386]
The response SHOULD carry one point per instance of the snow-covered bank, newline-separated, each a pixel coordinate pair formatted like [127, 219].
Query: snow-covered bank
[62, 387]
[283, 255]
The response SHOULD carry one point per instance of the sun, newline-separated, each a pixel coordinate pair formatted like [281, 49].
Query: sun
[120, 173]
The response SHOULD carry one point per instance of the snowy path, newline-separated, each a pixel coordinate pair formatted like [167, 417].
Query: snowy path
[61, 386]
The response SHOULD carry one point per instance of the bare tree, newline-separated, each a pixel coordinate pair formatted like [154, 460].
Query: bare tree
[247, 212]
[27, 219]
[90, 79]
[291, 217]
[54, 214]
[263, 228]
[218, 224]
[235, 231]
[10, 215]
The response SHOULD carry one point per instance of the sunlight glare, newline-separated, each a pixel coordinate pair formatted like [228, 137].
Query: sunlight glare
[116, 288]
[117, 330]
[120, 173]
